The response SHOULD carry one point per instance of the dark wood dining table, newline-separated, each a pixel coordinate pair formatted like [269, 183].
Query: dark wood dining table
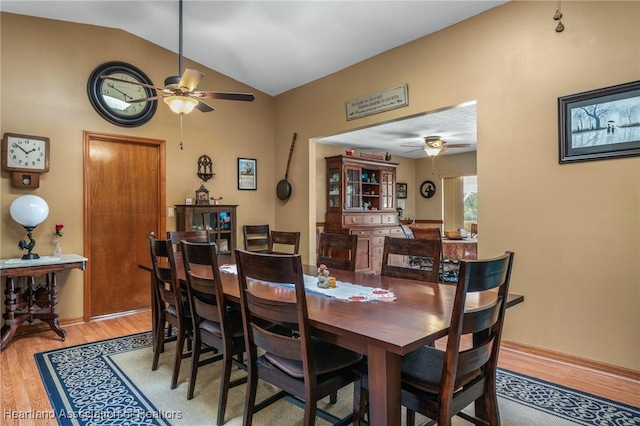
[383, 331]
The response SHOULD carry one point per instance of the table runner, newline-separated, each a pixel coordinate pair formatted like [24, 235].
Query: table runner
[342, 291]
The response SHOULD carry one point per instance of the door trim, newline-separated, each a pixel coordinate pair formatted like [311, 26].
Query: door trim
[88, 137]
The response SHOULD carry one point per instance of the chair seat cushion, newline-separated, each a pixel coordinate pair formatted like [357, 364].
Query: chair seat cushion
[422, 369]
[171, 310]
[327, 358]
[235, 321]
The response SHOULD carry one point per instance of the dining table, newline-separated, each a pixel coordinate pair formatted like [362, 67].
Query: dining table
[384, 331]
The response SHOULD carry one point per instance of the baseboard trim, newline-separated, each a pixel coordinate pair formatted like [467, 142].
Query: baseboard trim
[119, 314]
[601, 367]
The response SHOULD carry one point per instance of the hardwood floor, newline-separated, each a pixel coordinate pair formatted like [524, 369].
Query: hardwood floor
[22, 389]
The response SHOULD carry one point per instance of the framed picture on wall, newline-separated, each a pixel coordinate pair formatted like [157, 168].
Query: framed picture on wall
[600, 124]
[401, 190]
[247, 173]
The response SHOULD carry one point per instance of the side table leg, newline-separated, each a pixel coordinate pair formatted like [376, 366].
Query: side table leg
[52, 319]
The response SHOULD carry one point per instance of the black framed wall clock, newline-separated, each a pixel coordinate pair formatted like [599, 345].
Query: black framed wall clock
[428, 189]
[114, 99]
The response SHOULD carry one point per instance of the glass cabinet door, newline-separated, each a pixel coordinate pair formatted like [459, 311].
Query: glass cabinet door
[353, 188]
[386, 190]
[334, 188]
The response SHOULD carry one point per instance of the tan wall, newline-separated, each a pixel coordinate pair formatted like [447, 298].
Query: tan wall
[45, 67]
[581, 282]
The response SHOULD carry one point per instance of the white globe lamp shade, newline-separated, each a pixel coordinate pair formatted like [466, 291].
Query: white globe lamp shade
[29, 210]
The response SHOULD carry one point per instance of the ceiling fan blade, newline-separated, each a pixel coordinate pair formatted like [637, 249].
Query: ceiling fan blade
[457, 145]
[229, 96]
[411, 145]
[204, 107]
[152, 98]
[414, 150]
[106, 77]
[190, 79]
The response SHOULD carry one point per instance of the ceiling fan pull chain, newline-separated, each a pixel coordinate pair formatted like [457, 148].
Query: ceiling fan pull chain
[181, 144]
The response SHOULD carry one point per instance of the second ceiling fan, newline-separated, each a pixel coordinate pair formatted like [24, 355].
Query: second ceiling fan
[180, 92]
[434, 145]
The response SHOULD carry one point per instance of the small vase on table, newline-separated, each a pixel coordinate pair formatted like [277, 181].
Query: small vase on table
[57, 247]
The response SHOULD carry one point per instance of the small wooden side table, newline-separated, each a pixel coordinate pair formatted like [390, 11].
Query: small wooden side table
[34, 301]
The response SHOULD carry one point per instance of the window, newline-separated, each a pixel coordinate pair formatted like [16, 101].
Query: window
[460, 202]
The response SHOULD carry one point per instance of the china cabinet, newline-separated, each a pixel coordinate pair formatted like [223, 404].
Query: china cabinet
[361, 200]
[219, 220]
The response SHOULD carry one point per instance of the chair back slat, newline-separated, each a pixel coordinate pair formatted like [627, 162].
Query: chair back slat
[165, 276]
[338, 251]
[198, 236]
[416, 259]
[286, 346]
[284, 242]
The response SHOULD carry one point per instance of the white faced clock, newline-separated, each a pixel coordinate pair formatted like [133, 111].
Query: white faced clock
[26, 157]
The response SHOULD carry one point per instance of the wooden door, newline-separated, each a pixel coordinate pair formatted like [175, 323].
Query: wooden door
[123, 202]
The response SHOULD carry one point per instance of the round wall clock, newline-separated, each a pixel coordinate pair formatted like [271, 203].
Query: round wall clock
[428, 189]
[122, 101]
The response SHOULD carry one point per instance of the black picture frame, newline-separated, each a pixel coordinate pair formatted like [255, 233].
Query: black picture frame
[401, 190]
[600, 124]
[247, 174]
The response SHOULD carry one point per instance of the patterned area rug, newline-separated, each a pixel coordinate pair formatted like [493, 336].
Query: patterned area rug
[111, 383]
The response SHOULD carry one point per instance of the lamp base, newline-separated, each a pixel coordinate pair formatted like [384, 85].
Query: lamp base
[30, 256]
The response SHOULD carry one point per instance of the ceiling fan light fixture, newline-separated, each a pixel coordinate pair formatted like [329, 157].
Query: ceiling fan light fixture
[181, 104]
[432, 151]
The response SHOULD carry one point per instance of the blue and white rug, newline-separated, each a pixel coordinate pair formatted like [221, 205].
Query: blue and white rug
[111, 383]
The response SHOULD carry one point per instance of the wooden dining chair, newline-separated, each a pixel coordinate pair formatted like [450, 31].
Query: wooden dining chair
[256, 238]
[415, 259]
[284, 240]
[338, 251]
[287, 356]
[216, 327]
[439, 384]
[172, 309]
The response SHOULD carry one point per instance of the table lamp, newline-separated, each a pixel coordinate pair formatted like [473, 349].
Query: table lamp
[29, 211]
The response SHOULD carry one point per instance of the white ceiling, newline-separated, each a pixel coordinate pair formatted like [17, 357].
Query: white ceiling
[275, 46]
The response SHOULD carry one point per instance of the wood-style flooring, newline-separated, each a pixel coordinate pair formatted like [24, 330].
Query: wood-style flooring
[22, 390]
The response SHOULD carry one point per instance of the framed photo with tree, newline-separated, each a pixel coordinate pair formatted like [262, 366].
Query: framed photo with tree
[247, 173]
[600, 124]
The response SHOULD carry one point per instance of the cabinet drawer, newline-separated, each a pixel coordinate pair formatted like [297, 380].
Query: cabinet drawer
[376, 251]
[377, 241]
[396, 232]
[381, 231]
[352, 219]
[361, 232]
[389, 218]
[372, 219]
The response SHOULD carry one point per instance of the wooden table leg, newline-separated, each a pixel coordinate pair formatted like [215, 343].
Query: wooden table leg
[384, 387]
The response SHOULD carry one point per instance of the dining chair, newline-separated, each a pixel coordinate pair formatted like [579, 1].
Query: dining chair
[432, 234]
[256, 238]
[172, 308]
[198, 236]
[284, 240]
[338, 251]
[287, 356]
[439, 384]
[216, 327]
[415, 259]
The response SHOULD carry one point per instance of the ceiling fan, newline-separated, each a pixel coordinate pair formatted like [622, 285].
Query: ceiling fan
[434, 145]
[180, 91]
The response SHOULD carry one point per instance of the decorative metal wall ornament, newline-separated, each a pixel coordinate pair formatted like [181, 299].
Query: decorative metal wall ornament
[205, 168]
